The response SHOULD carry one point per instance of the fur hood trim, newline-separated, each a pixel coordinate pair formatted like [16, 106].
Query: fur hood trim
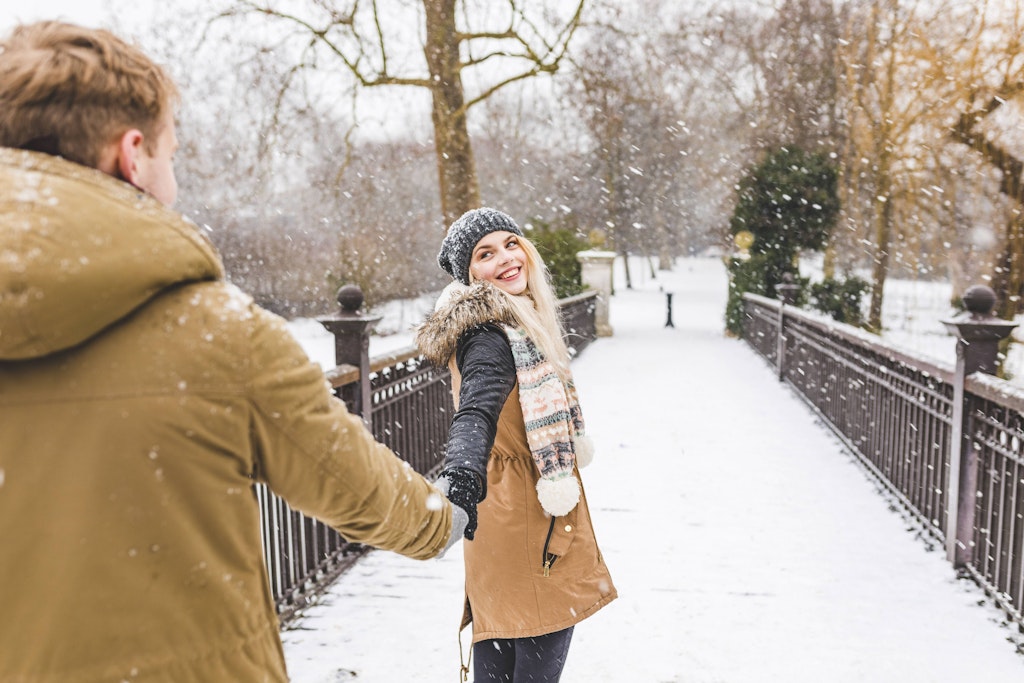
[461, 308]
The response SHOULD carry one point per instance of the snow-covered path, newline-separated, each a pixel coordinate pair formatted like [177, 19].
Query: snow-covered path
[745, 543]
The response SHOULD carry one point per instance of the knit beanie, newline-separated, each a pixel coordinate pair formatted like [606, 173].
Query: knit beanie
[457, 247]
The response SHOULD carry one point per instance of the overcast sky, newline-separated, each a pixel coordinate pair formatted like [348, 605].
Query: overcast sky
[131, 14]
[88, 12]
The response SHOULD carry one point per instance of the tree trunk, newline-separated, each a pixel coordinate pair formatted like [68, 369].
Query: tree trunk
[883, 234]
[665, 260]
[1008, 279]
[828, 267]
[456, 168]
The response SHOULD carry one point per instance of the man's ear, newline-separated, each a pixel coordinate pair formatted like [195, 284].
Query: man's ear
[120, 158]
[129, 150]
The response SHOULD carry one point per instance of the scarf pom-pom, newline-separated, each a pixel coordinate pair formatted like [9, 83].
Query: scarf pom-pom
[558, 496]
[584, 447]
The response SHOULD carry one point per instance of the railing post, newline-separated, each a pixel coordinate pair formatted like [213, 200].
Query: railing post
[351, 330]
[597, 275]
[978, 334]
[786, 292]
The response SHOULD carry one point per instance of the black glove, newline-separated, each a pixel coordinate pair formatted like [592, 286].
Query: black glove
[462, 488]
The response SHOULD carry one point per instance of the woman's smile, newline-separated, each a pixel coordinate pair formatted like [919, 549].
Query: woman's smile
[499, 258]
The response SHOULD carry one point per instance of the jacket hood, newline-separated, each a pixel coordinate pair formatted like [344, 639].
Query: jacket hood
[461, 308]
[80, 250]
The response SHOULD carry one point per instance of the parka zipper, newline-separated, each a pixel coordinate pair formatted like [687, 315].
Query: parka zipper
[549, 559]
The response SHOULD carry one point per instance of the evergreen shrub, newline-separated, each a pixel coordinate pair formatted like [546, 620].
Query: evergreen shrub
[841, 299]
[558, 247]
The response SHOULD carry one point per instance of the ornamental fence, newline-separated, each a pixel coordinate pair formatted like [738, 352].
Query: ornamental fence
[410, 409]
[946, 441]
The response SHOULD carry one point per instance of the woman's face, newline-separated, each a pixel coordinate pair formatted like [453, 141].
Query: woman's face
[499, 258]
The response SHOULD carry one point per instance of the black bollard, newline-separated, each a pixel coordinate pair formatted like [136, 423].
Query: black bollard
[668, 323]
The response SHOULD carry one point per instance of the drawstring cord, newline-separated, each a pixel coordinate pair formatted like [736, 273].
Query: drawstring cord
[464, 664]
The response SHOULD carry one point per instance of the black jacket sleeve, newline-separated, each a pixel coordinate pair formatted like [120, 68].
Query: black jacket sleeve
[484, 359]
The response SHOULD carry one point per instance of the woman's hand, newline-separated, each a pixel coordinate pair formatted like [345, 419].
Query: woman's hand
[462, 488]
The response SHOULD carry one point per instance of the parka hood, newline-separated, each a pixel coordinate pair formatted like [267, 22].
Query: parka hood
[80, 250]
[459, 309]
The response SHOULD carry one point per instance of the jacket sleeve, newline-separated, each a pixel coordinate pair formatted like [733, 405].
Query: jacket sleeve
[484, 359]
[323, 461]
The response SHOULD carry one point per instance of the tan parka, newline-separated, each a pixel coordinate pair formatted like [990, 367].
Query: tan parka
[527, 573]
[140, 398]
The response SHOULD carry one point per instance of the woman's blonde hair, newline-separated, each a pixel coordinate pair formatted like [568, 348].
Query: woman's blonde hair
[537, 310]
[70, 91]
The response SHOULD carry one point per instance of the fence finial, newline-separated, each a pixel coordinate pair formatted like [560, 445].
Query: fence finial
[351, 331]
[980, 301]
[978, 331]
[351, 299]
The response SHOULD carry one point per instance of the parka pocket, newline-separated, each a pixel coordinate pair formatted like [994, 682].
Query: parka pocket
[561, 532]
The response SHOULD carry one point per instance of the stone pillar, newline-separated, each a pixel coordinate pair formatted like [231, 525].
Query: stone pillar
[597, 275]
[978, 334]
[351, 330]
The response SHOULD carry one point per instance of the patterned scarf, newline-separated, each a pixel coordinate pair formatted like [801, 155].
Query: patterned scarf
[554, 424]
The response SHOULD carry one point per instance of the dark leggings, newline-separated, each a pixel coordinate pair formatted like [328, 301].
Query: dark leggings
[521, 660]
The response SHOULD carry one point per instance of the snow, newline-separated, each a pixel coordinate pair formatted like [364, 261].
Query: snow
[746, 543]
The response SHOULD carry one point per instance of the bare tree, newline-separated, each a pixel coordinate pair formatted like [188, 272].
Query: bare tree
[988, 81]
[461, 40]
[794, 51]
[885, 90]
[381, 218]
[237, 182]
[652, 121]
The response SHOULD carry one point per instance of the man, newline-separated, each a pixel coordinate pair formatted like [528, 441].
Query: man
[141, 396]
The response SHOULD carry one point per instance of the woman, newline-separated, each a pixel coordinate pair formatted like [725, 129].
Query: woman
[533, 568]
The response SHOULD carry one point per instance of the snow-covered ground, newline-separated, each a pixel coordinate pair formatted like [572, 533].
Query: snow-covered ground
[747, 546]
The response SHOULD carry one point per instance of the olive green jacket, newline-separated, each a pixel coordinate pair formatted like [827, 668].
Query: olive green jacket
[141, 396]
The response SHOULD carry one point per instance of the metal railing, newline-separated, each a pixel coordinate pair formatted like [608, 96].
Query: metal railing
[898, 414]
[995, 429]
[410, 411]
[579, 320]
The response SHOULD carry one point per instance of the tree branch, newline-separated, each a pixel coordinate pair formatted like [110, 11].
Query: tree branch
[322, 36]
[549, 62]
[965, 131]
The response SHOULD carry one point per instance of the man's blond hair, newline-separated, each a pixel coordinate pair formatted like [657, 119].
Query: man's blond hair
[71, 91]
